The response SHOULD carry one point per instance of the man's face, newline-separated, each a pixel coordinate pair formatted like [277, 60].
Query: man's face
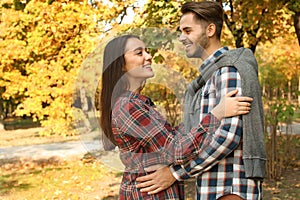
[193, 36]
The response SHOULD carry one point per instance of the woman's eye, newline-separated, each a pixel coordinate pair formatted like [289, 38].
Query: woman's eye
[139, 53]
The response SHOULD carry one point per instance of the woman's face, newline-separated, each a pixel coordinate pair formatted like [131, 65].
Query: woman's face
[137, 61]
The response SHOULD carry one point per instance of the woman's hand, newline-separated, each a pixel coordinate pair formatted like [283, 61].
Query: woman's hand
[232, 106]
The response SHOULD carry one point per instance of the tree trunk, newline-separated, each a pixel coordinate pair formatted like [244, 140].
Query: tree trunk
[1, 110]
[297, 25]
[289, 91]
[299, 91]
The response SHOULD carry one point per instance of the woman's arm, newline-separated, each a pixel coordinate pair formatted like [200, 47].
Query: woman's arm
[162, 143]
[230, 106]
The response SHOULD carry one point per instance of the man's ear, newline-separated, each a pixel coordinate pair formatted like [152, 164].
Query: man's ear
[211, 30]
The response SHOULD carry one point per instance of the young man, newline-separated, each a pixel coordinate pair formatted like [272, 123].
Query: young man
[231, 164]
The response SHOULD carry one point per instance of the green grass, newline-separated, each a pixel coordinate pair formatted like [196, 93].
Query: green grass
[66, 180]
[91, 180]
[19, 123]
[296, 117]
[288, 188]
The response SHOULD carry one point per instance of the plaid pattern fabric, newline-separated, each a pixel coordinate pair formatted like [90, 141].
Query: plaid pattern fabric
[145, 138]
[128, 191]
[219, 166]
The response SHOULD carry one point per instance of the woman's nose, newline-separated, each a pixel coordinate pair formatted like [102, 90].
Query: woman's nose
[148, 56]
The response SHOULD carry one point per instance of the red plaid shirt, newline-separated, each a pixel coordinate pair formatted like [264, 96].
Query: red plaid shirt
[145, 138]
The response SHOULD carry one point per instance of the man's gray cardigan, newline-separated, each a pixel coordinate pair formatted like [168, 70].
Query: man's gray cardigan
[254, 152]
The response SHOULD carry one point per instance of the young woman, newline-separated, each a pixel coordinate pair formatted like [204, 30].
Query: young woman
[129, 120]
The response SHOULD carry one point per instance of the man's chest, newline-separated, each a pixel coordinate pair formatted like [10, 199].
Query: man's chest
[207, 98]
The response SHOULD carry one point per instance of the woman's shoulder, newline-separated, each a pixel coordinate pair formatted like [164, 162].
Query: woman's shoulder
[134, 98]
[127, 101]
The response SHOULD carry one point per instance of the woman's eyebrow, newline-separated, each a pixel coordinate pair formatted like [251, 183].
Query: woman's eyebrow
[138, 48]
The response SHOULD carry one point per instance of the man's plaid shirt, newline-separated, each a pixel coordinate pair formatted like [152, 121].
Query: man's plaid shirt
[145, 138]
[219, 165]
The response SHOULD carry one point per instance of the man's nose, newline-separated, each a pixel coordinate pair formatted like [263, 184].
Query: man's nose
[181, 37]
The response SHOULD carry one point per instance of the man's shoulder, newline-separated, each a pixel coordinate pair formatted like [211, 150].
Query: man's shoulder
[240, 53]
[239, 58]
[234, 55]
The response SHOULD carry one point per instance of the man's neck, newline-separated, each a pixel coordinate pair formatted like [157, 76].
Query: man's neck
[213, 47]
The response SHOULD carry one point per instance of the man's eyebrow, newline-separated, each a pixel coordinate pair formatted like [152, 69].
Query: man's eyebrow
[186, 28]
[183, 29]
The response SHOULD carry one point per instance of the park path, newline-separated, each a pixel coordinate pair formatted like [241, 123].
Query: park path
[72, 150]
[59, 149]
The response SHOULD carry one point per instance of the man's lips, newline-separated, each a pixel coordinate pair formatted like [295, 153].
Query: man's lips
[188, 45]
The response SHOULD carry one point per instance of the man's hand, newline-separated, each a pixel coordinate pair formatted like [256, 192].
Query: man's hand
[157, 181]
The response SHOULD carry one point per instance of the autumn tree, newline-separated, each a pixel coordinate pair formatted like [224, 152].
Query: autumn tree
[43, 44]
[294, 6]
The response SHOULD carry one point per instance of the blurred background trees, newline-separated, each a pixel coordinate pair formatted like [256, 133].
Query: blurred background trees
[44, 45]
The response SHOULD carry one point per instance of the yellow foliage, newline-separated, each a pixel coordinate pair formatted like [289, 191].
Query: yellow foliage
[41, 50]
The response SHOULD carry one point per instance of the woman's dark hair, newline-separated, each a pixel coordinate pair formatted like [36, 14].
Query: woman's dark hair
[112, 73]
[209, 11]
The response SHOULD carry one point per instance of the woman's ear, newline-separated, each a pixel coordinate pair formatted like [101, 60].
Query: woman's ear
[211, 30]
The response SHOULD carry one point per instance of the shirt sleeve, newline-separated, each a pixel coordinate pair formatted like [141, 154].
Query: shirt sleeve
[160, 143]
[185, 146]
[226, 137]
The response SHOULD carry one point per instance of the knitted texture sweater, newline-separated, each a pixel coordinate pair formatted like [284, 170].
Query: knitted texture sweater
[254, 152]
